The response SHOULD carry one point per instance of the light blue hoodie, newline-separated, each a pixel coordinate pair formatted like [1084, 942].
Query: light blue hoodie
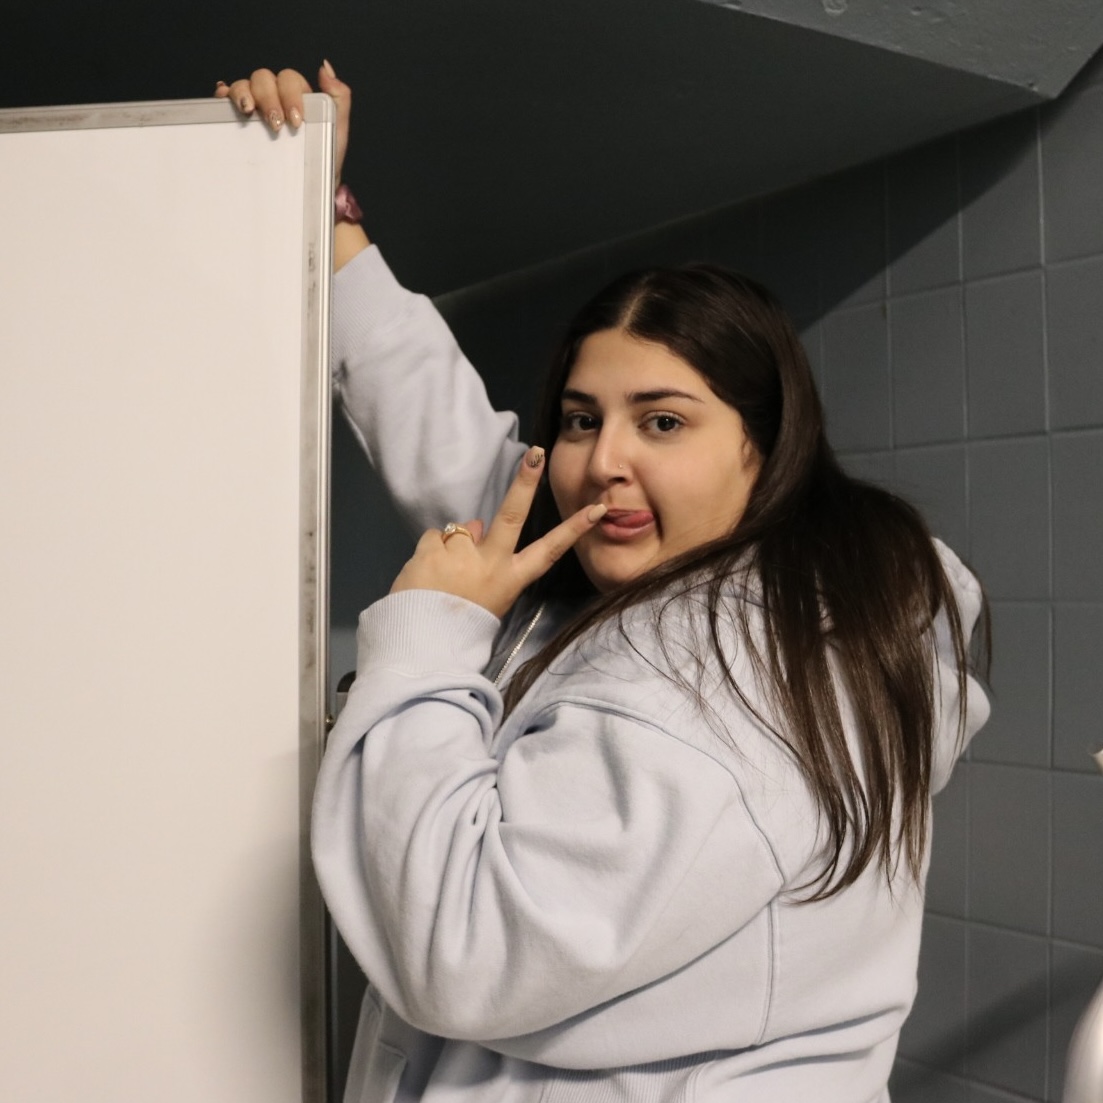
[598, 897]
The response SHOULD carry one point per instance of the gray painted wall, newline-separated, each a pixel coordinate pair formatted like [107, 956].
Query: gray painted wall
[952, 302]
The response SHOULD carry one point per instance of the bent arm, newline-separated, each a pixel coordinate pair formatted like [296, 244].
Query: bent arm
[417, 406]
[490, 899]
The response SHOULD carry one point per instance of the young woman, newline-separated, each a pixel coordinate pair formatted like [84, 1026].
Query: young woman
[639, 811]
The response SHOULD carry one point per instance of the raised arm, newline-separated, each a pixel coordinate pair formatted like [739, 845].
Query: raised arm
[416, 404]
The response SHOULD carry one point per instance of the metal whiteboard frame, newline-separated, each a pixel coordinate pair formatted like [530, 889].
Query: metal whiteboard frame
[314, 489]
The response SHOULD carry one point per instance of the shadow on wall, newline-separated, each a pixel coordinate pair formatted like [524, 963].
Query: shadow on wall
[794, 236]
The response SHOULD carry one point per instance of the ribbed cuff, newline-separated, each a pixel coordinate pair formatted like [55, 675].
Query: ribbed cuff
[418, 631]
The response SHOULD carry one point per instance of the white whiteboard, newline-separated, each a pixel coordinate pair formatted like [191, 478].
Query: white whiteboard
[163, 477]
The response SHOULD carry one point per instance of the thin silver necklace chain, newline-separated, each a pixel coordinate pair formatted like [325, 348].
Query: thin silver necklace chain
[519, 644]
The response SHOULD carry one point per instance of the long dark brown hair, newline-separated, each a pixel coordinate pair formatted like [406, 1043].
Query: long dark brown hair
[850, 581]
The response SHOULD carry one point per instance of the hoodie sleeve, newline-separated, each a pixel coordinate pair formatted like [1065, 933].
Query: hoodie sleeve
[487, 898]
[417, 406]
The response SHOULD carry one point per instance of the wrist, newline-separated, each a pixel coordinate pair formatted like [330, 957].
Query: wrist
[349, 240]
[349, 237]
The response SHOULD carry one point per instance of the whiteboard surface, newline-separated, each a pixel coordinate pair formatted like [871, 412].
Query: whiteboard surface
[152, 437]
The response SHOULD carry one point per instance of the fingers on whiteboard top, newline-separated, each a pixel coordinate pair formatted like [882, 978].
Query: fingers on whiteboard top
[278, 97]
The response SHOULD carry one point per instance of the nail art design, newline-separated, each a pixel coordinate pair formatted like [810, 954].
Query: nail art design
[535, 457]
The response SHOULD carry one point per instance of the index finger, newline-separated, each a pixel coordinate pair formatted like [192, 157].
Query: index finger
[541, 555]
[505, 529]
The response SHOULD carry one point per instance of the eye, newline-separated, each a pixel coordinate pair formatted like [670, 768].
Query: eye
[578, 421]
[663, 423]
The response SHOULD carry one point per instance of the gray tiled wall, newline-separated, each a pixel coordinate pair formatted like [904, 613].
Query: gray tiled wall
[1014, 941]
[952, 304]
[1005, 351]
[993, 304]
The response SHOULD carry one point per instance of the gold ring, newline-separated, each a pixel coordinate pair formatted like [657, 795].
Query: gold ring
[452, 529]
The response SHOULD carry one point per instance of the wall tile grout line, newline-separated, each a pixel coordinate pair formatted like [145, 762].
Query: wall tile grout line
[970, 802]
[1050, 1057]
[988, 925]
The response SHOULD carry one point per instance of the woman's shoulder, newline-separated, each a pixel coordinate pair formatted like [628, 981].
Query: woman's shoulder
[967, 589]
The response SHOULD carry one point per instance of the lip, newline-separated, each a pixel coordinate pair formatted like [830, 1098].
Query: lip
[627, 524]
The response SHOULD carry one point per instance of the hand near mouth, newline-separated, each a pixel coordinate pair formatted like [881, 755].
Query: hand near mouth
[489, 570]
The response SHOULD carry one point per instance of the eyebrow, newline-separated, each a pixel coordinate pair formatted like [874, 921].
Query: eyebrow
[635, 398]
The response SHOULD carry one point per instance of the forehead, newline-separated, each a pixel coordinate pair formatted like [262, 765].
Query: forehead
[614, 361]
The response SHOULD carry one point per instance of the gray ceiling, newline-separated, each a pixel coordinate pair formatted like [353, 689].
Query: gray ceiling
[491, 136]
[1037, 44]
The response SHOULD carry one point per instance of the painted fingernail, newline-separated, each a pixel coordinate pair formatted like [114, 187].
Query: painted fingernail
[535, 457]
[246, 105]
[328, 68]
[295, 117]
[275, 119]
[597, 512]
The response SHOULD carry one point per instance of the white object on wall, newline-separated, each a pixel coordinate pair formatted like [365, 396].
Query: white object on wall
[163, 477]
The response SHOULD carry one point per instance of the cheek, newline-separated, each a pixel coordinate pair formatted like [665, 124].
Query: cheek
[720, 498]
[559, 479]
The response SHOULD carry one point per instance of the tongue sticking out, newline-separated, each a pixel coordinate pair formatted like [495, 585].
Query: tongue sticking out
[629, 519]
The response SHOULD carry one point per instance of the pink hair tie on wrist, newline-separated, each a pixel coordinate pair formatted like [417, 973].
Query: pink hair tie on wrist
[345, 207]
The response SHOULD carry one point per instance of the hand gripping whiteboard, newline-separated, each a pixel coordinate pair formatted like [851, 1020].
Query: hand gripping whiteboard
[163, 478]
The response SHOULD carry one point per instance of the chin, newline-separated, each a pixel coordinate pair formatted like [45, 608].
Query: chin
[606, 576]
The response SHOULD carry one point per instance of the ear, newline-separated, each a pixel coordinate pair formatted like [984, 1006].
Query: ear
[752, 457]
